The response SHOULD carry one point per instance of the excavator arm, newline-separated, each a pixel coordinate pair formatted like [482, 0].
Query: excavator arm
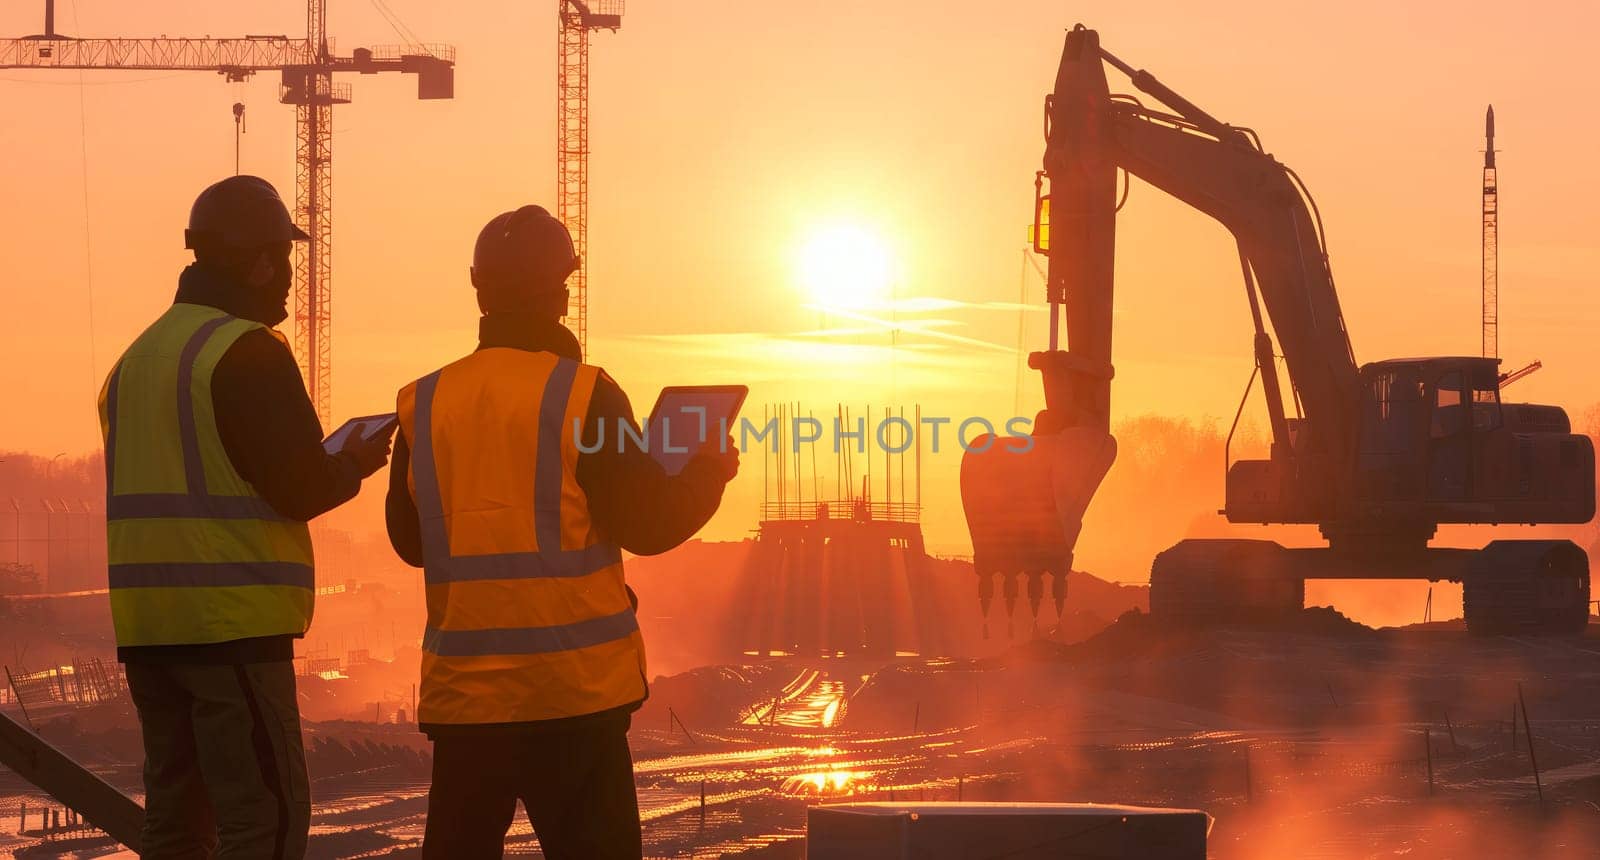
[1025, 510]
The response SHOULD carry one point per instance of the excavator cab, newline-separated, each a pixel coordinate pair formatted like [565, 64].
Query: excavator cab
[1438, 443]
[1462, 398]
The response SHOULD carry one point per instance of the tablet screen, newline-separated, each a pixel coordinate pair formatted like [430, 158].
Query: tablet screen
[688, 416]
[367, 425]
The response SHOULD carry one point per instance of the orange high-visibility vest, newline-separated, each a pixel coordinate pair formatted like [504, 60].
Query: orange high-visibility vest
[528, 615]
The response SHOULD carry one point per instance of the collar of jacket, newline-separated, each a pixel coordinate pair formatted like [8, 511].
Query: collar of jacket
[531, 332]
[203, 285]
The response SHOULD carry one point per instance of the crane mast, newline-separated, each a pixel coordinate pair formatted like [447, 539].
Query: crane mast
[577, 20]
[314, 98]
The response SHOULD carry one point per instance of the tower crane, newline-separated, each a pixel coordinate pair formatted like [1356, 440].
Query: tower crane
[307, 67]
[578, 19]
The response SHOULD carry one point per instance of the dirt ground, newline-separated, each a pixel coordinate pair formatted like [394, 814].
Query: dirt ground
[1313, 739]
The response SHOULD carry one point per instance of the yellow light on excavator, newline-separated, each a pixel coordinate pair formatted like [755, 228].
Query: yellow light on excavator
[1039, 231]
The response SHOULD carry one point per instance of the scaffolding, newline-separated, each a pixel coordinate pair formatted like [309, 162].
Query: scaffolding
[83, 684]
[837, 570]
[794, 486]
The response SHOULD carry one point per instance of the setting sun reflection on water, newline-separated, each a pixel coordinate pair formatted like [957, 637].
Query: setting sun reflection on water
[810, 701]
[826, 783]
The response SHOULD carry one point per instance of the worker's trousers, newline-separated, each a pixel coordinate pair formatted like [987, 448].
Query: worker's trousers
[224, 767]
[576, 785]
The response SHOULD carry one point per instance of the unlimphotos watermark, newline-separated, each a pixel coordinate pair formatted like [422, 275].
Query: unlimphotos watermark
[893, 434]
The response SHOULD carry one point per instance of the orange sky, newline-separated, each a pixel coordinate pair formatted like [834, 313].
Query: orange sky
[724, 134]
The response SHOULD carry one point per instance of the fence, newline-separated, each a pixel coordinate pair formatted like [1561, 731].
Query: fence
[82, 684]
[51, 545]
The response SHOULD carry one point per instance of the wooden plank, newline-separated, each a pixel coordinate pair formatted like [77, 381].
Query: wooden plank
[57, 774]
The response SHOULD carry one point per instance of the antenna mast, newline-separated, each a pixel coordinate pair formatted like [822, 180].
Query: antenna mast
[1491, 244]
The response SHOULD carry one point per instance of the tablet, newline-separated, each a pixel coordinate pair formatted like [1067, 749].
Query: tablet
[369, 426]
[687, 417]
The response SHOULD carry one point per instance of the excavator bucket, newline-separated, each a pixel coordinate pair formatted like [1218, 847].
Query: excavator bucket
[1025, 507]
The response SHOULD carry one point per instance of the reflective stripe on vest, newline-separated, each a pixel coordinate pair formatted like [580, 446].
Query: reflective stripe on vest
[550, 560]
[212, 561]
[491, 673]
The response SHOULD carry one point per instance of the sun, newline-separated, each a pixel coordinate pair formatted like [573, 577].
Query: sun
[845, 266]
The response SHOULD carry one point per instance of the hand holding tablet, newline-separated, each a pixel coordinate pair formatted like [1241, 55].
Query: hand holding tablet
[687, 418]
[367, 427]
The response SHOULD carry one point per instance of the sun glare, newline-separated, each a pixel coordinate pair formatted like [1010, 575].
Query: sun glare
[845, 266]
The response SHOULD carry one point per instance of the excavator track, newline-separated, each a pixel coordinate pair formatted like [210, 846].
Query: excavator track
[1211, 582]
[1523, 587]
[1509, 588]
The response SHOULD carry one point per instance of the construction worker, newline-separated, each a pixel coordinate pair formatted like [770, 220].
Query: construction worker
[214, 463]
[532, 660]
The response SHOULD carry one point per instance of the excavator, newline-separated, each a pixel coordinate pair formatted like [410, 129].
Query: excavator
[1377, 456]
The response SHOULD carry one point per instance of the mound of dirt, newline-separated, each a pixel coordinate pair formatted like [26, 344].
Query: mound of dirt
[1137, 633]
[710, 695]
[333, 757]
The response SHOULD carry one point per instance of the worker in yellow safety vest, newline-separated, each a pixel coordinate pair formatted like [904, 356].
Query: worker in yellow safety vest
[532, 660]
[214, 463]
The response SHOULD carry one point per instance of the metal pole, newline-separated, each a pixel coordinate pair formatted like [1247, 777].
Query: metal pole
[1527, 728]
[1427, 746]
[1055, 326]
[902, 458]
[238, 131]
[1249, 792]
[12, 682]
[49, 545]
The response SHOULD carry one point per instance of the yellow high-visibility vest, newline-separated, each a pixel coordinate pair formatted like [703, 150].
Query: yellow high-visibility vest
[528, 615]
[196, 556]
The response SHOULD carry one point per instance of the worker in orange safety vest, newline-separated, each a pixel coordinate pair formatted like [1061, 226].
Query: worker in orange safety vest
[532, 658]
